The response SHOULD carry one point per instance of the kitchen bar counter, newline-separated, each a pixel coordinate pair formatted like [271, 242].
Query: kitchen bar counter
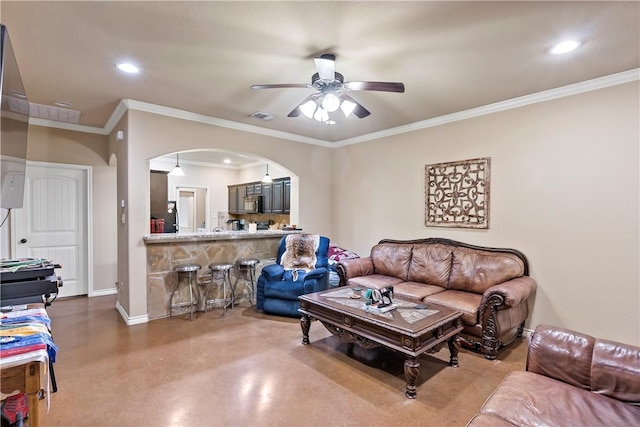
[166, 251]
[223, 235]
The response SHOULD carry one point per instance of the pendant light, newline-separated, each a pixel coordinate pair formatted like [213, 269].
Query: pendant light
[177, 170]
[267, 179]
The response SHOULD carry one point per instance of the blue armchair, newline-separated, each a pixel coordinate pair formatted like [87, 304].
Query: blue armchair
[301, 268]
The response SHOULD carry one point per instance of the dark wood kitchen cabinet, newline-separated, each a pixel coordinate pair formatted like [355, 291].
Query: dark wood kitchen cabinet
[267, 198]
[237, 194]
[233, 199]
[286, 204]
[254, 189]
[281, 196]
[278, 197]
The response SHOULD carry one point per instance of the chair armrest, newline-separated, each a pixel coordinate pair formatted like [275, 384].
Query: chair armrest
[354, 267]
[512, 292]
[273, 272]
[316, 274]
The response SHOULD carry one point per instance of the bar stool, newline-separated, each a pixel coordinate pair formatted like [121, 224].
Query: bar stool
[246, 269]
[191, 273]
[220, 276]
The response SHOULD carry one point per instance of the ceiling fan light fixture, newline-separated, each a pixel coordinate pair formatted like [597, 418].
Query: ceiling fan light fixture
[177, 170]
[330, 102]
[321, 115]
[347, 107]
[308, 108]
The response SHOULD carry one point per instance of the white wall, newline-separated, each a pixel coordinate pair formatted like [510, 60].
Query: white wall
[564, 190]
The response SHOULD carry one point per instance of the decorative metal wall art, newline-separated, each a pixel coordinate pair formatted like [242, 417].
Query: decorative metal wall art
[457, 194]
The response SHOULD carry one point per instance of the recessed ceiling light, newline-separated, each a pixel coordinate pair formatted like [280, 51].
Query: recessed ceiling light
[63, 104]
[128, 68]
[565, 47]
[227, 161]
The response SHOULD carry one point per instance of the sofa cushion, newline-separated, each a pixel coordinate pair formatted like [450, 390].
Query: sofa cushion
[431, 264]
[467, 302]
[525, 398]
[475, 271]
[415, 291]
[374, 281]
[391, 259]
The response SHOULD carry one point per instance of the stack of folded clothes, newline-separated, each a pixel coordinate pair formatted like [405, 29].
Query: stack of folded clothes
[25, 334]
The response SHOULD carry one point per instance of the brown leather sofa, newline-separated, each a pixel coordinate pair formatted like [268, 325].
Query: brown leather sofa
[571, 379]
[489, 285]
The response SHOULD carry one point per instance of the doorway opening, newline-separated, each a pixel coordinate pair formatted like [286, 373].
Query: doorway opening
[193, 209]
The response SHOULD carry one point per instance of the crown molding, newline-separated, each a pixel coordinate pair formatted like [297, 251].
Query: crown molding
[560, 92]
[67, 126]
[547, 95]
[214, 121]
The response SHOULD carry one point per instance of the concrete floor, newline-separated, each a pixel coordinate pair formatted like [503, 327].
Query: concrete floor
[248, 369]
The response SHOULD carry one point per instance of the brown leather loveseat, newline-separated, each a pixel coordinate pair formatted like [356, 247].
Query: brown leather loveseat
[489, 285]
[571, 379]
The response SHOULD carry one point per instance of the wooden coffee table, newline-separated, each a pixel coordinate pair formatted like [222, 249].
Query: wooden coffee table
[405, 329]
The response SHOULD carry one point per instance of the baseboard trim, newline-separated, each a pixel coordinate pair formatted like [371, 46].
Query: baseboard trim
[527, 332]
[103, 292]
[131, 320]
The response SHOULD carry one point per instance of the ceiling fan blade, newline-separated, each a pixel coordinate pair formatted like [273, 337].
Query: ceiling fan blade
[280, 86]
[379, 86]
[326, 66]
[295, 112]
[359, 111]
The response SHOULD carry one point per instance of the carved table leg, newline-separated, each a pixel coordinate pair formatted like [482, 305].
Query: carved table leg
[411, 371]
[305, 324]
[454, 348]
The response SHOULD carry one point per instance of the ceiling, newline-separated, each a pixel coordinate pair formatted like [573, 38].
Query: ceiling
[202, 57]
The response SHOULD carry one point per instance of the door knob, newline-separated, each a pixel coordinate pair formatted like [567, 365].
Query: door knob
[23, 240]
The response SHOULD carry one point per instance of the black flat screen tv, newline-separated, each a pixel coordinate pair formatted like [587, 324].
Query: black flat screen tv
[14, 126]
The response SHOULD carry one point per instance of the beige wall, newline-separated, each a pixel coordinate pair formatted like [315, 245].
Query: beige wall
[148, 136]
[564, 190]
[79, 148]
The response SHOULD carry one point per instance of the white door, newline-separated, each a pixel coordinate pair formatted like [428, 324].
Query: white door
[187, 210]
[53, 223]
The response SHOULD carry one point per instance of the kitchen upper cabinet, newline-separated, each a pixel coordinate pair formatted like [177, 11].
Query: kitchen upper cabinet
[278, 197]
[287, 197]
[233, 199]
[237, 194]
[254, 189]
[267, 198]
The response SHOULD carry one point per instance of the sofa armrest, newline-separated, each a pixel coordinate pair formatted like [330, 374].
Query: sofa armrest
[604, 367]
[512, 292]
[354, 267]
[273, 272]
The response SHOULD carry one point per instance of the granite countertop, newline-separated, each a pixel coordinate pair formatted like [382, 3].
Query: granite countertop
[207, 236]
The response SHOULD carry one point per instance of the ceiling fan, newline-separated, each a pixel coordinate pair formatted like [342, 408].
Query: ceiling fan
[331, 94]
